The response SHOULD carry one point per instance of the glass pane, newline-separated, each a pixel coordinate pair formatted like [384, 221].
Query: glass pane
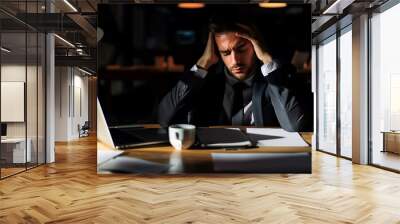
[32, 95]
[385, 84]
[327, 96]
[13, 86]
[346, 94]
[41, 98]
[31, 84]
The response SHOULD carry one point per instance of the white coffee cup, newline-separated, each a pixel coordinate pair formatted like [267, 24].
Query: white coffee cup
[182, 136]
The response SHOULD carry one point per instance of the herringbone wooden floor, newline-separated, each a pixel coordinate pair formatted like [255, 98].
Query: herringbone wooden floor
[70, 191]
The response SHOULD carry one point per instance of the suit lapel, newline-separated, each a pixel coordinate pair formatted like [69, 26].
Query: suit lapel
[227, 100]
[259, 86]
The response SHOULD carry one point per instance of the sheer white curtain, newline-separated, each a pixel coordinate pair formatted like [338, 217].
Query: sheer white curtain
[385, 77]
[327, 96]
[345, 93]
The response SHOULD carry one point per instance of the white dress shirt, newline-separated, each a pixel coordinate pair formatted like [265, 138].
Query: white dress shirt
[265, 69]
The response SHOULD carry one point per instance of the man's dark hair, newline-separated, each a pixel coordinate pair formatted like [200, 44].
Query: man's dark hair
[223, 27]
[219, 24]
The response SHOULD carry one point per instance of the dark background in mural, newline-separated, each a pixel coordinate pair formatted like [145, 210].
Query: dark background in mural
[133, 36]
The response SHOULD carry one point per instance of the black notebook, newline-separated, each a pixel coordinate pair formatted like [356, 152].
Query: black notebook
[222, 138]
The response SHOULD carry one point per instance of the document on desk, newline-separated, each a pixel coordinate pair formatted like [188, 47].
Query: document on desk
[104, 155]
[262, 162]
[275, 137]
[127, 164]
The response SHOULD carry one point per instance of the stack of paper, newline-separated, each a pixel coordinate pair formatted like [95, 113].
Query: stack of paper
[275, 137]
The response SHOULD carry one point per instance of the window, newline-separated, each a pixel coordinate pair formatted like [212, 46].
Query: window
[346, 92]
[327, 96]
[22, 77]
[385, 87]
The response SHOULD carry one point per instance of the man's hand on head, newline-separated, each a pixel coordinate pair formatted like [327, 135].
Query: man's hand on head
[256, 41]
[209, 56]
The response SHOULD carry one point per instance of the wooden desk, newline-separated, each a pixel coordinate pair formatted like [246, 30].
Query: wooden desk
[391, 141]
[166, 160]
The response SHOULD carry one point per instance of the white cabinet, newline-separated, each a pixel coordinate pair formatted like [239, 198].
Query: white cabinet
[15, 148]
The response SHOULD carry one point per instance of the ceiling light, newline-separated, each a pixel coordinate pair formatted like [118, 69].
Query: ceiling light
[272, 5]
[79, 44]
[331, 7]
[70, 5]
[84, 71]
[5, 50]
[65, 41]
[337, 7]
[191, 5]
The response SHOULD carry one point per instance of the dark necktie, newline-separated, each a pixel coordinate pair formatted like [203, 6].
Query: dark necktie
[238, 104]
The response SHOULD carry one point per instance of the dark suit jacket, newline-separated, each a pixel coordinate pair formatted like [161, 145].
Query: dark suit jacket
[201, 101]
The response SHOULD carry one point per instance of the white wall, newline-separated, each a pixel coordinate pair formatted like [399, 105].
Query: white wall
[33, 126]
[16, 72]
[81, 103]
[71, 102]
[61, 103]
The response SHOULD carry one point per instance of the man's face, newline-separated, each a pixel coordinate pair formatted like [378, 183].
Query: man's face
[237, 54]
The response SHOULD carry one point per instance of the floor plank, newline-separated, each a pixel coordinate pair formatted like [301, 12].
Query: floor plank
[70, 191]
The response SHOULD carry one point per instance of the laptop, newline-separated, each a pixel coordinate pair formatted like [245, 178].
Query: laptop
[131, 137]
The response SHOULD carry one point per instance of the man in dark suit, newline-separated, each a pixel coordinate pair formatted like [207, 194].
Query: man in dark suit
[248, 88]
